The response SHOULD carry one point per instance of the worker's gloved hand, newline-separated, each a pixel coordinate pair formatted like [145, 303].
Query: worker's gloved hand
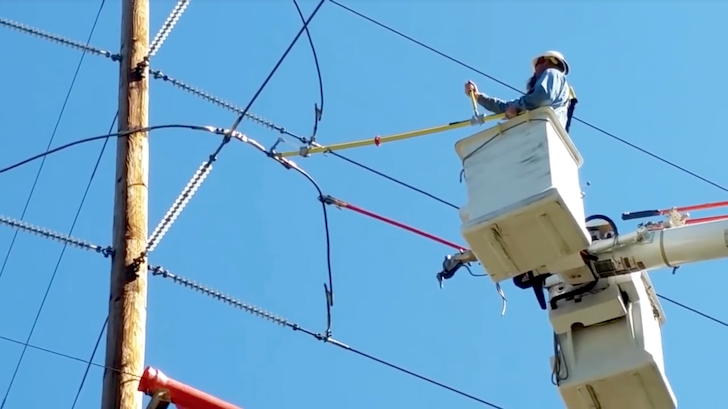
[511, 112]
[470, 87]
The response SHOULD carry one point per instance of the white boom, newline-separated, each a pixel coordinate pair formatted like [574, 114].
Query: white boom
[524, 220]
[647, 249]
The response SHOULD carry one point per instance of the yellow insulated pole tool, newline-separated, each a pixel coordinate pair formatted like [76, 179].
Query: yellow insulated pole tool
[378, 140]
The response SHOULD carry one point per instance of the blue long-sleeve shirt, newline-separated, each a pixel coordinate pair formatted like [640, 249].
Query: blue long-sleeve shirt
[551, 89]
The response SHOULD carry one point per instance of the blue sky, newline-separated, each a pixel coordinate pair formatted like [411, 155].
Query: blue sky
[647, 72]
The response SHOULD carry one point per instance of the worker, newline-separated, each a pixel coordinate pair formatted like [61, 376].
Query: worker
[547, 87]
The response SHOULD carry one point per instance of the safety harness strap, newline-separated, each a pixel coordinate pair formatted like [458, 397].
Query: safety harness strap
[572, 105]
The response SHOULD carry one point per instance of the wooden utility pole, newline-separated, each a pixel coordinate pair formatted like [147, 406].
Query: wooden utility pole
[128, 299]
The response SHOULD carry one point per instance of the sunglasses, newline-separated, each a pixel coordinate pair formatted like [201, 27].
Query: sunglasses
[552, 60]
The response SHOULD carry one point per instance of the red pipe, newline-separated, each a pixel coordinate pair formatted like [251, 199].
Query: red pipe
[181, 395]
[652, 213]
[342, 204]
[697, 207]
[706, 219]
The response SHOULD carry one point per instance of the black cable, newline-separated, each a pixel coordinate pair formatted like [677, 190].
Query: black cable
[273, 71]
[693, 310]
[53, 136]
[58, 264]
[329, 291]
[376, 172]
[459, 62]
[319, 111]
[62, 355]
[399, 182]
[32, 190]
[426, 379]
[158, 271]
[90, 361]
[105, 136]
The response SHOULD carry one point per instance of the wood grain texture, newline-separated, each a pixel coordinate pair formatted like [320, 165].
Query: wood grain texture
[125, 342]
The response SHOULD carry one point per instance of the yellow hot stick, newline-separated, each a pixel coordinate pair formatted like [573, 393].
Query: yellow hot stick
[391, 138]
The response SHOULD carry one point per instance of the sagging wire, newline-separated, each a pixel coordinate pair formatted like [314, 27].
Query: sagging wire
[159, 75]
[206, 167]
[49, 286]
[167, 220]
[210, 129]
[273, 71]
[450, 264]
[318, 111]
[159, 271]
[289, 164]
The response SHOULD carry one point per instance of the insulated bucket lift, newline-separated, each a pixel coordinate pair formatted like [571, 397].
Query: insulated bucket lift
[524, 208]
[524, 219]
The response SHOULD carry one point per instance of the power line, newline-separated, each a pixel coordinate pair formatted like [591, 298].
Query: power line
[318, 111]
[328, 290]
[217, 295]
[490, 77]
[60, 354]
[50, 141]
[90, 361]
[32, 190]
[693, 310]
[159, 75]
[210, 129]
[461, 63]
[275, 68]
[58, 265]
[395, 180]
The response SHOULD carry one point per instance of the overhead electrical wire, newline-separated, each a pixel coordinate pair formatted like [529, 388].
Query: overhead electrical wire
[156, 74]
[328, 290]
[288, 164]
[51, 139]
[159, 271]
[57, 266]
[30, 196]
[62, 355]
[693, 310]
[393, 179]
[383, 175]
[93, 174]
[318, 110]
[494, 79]
[463, 64]
[90, 362]
[275, 68]
[209, 129]
[318, 113]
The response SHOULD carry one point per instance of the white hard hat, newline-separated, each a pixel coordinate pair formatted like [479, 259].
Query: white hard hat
[554, 54]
